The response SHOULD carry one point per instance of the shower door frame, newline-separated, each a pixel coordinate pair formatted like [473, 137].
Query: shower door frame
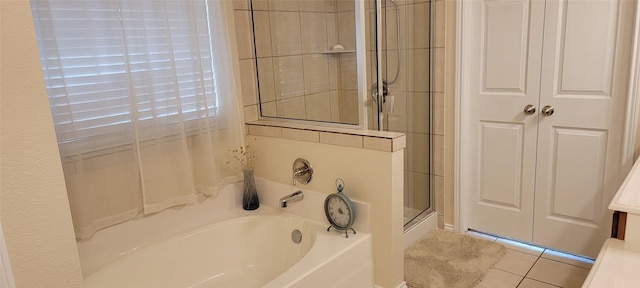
[378, 100]
[361, 60]
[380, 88]
[461, 110]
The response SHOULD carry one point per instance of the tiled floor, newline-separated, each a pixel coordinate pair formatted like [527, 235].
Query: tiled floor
[525, 266]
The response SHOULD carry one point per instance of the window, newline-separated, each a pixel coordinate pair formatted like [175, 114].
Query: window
[110, 65]
[142, 120]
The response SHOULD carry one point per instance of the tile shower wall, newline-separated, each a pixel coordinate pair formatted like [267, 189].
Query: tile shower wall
[299, 77]
[411, 92]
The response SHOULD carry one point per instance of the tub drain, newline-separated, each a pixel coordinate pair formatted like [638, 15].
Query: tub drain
[296, 236]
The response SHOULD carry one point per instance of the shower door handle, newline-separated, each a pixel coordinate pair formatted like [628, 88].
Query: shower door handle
[529, 109]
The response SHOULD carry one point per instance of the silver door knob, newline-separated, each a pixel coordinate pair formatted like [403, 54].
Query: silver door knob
[547, 110]
[529, 109]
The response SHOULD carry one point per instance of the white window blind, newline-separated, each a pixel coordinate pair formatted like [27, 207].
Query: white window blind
[113, 64]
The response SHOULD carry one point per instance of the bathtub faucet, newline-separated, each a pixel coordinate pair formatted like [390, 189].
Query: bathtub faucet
[291, 198]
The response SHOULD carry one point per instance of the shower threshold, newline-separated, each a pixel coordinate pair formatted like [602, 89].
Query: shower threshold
[419, 227]
[409, 222]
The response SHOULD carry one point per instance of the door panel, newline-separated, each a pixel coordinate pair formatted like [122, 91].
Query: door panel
[577, 175]
[503, 82]
[584, 77]
[576, 48]
[501, 157]
[505, 25]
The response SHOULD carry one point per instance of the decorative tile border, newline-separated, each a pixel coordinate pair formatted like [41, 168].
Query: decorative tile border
[366, 139]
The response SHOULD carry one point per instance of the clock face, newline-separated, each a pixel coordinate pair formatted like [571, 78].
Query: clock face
[338, 211]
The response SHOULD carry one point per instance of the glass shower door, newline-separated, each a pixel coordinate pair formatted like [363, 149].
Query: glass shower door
[401, 93]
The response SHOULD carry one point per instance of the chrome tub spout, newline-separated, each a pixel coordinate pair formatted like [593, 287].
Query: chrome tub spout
[291, 198]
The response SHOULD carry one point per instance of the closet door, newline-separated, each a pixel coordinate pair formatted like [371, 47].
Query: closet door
[506, 45]
[585, 66]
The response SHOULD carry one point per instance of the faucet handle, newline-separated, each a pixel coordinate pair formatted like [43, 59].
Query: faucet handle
[302, 171]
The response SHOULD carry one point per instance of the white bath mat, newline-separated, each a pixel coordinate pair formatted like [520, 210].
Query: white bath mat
[449, 260]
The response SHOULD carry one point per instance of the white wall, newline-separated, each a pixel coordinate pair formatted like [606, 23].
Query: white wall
[374, 177]
[34, 210]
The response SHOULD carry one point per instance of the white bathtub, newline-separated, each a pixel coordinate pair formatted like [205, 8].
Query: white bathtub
[247, 251]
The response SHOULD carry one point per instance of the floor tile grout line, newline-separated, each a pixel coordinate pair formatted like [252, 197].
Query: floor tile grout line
[565, 263]
[527, 273]
[531, 268]
[538, 257]
[506, 271]
[521, 280]
[542, 281]
[544, 250]
[550, 284]
[521, 277]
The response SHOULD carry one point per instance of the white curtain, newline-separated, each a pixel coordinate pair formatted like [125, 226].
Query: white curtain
[6, 274]
[144, 103]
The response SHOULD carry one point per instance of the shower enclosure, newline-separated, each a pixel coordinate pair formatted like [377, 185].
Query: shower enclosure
[399, 48]
[307, 65]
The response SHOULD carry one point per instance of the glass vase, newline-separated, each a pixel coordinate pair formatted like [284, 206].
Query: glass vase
[250, 194]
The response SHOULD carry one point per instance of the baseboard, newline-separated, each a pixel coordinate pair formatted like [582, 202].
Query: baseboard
[403, 285]
[448, 227]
